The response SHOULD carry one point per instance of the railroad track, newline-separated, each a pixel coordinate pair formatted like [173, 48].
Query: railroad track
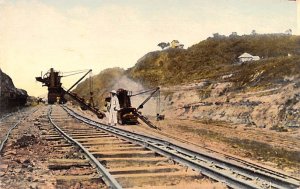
[4, 116]
[69, 166]
[230, 173]
[34, 147]
[122, 163]
[124, 159]
[11, 121]
[224, 155]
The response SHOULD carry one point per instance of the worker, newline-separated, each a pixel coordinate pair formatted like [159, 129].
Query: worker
[113, 108]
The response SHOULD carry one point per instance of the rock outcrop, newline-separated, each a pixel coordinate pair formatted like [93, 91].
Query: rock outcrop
[276, 108]
[10, 96]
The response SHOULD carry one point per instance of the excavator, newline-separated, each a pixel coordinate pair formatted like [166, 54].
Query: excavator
[128, 114]
[56, 92]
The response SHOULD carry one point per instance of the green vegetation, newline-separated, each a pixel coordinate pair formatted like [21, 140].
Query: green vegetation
[251, 148]
[213, 58]
[210, 59]
[267, 152]
[265, 73]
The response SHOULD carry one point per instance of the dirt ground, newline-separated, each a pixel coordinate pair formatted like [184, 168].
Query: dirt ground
[24, 161]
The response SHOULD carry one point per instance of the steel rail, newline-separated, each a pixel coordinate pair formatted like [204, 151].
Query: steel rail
[107, 177]
[5, 138]
[203, 167]
[5, 116]
[218, 169]
[226, 156]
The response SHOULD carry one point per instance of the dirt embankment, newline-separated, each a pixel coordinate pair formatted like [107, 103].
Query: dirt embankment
[276, 108]
[258, 124]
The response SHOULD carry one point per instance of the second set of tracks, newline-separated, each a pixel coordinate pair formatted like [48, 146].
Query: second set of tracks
[125, 159]
[9, 122]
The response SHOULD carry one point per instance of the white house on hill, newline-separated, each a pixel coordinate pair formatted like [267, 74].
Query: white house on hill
[175, 44]
[245, 57]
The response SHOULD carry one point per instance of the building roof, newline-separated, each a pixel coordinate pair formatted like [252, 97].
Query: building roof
[245, 55]
[256, 58]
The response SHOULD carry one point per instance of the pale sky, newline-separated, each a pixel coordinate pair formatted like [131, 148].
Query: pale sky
[68, 35]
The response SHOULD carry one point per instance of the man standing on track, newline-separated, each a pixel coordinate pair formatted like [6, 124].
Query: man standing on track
[113, 108]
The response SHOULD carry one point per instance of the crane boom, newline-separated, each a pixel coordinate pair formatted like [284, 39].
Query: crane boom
[52, 79]
[147, 99]
[79, 80]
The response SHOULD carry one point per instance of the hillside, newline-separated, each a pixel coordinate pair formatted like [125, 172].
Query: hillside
[102, 84]
[210, 73]
[213, 58]
[251, 108]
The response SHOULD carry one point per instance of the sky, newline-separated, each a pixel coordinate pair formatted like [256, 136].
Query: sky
[67, 35]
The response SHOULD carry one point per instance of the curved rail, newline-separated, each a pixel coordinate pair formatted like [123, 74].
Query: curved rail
[8, 133]
[5, 138]
[5, 116]
[230, 173]
[108, 178]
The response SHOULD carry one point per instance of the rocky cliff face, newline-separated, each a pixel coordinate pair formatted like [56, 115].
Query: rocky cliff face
[10, 96]
[275, 108]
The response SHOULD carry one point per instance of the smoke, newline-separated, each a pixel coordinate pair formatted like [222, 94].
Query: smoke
[150, 108]
[125, 83]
